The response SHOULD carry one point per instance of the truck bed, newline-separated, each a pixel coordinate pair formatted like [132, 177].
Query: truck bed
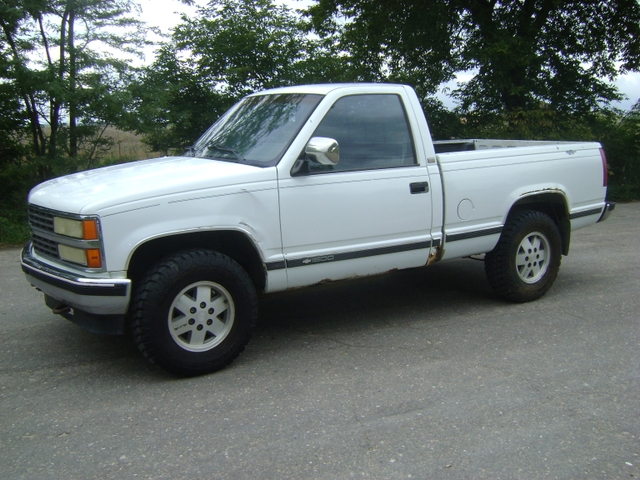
[483, 179]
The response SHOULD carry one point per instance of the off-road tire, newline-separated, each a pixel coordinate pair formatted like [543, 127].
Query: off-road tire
[525, 262]
[193, 312]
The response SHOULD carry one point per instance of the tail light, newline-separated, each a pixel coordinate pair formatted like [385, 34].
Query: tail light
[605, 168]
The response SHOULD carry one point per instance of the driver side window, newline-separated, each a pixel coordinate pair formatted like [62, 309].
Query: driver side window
[372, 132]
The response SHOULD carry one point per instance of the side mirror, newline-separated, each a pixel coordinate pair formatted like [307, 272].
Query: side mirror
[323, 150]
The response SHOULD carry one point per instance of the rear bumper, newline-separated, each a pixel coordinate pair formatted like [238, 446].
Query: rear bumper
[98, 304]
[608, 208]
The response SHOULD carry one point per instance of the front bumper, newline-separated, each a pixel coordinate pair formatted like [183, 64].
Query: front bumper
[98, 304]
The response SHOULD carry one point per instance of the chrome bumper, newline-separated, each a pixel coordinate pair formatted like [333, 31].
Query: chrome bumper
[98, 304]
[608, 208]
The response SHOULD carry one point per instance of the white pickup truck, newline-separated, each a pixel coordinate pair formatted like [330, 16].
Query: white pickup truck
[294, 187]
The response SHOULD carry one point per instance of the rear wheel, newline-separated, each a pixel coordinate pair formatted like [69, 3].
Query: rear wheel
[526, 261]
[193, 312]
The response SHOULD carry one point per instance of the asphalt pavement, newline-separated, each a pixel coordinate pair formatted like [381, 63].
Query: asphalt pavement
[416, 374]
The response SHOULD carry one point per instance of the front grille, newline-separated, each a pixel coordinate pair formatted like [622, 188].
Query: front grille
[45, 241]
[40, 218]
[44, 246]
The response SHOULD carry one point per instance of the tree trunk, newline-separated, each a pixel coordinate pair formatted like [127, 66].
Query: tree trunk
[37, 135]
[73, 105]
[56, 101]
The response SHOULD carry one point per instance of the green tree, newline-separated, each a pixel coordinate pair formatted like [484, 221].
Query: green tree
[172, 104]
[13, 177]
[241, 46]
[62, 77]
[619, 133]
[64, 61]
[525, 52]
[228, 49]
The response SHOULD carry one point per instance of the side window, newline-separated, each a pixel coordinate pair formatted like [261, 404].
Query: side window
[372, 132]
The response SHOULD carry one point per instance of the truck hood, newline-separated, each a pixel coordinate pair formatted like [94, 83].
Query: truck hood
[135, 184]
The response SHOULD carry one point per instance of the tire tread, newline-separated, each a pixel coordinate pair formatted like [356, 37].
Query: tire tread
[499, 269]
[151, 290]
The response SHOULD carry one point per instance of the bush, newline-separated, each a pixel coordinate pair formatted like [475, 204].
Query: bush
[619, 133]
[16, 179]
[13, 227]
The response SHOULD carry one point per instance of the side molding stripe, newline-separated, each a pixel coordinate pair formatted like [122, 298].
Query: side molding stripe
[276, 265]
[302, 262]
[586, 213]
[475, 234]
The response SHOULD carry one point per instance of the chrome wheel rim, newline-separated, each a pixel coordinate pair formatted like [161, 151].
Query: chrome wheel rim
[532, 257]
[201, 316]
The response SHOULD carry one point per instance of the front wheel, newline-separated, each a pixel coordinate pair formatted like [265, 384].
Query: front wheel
[525, 262]
[193, 312]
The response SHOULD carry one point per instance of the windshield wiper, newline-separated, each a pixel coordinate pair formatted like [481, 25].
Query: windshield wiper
[213, 146]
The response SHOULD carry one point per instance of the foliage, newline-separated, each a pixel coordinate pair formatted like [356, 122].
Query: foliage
[241, 46]
[229, 49]
[619, 133]
[67, 84]
[61, 83]
[542, 70]
[544, 123]
[524, 53]
[171, 104]
[13, 227]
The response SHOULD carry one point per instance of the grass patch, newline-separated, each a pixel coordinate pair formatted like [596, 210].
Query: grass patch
[127, 146]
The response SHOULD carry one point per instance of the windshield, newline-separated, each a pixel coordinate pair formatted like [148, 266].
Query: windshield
[257, 130]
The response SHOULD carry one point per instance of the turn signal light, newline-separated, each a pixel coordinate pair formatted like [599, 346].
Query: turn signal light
[94, 260]
[90, 229]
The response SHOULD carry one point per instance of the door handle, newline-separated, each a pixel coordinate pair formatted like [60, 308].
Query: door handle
[419, 187]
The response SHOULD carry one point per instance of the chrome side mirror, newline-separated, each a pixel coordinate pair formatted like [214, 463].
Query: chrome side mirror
[323, 150]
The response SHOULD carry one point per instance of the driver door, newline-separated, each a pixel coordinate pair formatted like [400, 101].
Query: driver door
[369, 213]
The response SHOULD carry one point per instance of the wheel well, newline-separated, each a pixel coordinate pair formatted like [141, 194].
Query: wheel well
[552, 204]
[235, 245]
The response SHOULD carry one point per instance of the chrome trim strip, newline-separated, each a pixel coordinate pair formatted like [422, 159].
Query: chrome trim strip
[608, 208]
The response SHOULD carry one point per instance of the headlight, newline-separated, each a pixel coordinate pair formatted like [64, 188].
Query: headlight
[83, 229]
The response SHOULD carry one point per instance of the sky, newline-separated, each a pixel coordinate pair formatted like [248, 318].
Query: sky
[165, 14]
